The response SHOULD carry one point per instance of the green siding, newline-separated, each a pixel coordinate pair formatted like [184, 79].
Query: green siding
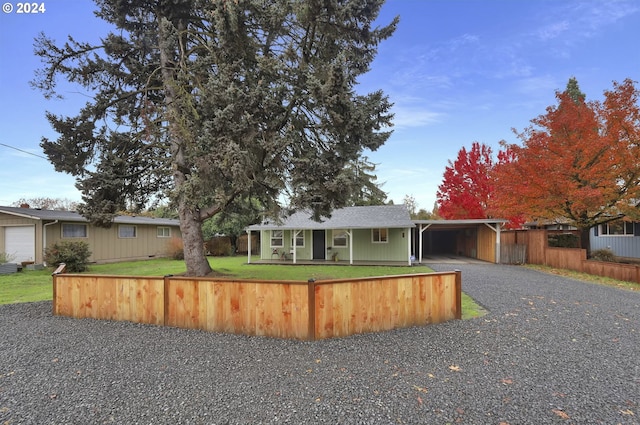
[395, 249]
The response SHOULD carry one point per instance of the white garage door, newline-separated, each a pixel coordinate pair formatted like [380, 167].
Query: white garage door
[20, 243]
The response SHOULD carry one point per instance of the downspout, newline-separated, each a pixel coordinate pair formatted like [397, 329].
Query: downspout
[44, 239]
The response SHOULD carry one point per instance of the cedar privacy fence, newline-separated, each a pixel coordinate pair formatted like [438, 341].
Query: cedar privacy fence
[282, 309]
[531, 247]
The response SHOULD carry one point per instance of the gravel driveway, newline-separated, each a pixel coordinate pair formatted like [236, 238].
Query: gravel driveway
[551, 350]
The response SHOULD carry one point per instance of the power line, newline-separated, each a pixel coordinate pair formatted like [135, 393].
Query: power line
[23, 151]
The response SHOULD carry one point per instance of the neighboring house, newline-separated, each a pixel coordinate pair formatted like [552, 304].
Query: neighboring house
[557, 224]
[26, 232]
[354, 234]
[621, 237]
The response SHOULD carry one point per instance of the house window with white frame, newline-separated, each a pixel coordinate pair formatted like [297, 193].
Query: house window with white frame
[127, 231]
[163, 232]
[277, 238]
[617, 228]
[299, 237]
[379, 235]
[74, 230]
[340, 238]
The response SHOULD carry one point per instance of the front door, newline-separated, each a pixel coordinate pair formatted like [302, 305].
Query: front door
[319, 245]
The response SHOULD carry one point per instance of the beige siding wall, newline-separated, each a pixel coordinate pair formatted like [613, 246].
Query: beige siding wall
[107, 246]
[104, 244]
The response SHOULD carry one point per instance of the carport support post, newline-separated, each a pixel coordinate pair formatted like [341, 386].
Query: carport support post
[458, 294]
[497, 230]
[420, 242]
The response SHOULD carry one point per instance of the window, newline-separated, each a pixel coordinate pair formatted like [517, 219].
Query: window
[277, 239]
[164, 232]
[340, 238]
[74, 230]
[126, 231]
[299, 239]
[617, 228]
[379, 235]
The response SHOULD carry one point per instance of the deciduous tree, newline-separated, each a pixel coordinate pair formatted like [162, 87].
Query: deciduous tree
[579, 161]
[466, 184]
[210, 101]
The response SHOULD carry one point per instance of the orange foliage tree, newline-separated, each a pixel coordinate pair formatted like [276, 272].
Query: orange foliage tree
[580, 161]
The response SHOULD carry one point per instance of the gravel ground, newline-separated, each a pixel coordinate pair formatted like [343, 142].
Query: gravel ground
[551, 350]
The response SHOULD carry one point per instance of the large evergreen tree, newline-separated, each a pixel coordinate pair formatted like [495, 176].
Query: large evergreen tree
[209, 101]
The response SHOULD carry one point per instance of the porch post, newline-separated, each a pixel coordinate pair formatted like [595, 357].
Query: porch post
[350, 232]
[409, 233]
[248, 246]
[294, 245]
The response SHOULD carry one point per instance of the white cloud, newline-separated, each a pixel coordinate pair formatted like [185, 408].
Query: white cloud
[414, 116]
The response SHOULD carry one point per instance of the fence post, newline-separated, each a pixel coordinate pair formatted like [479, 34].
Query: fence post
[61, 269]
[165, 298]
[311, 300]
[458, 294]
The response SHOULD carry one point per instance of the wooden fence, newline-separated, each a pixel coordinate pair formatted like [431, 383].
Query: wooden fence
[283, 309]
[538, 252]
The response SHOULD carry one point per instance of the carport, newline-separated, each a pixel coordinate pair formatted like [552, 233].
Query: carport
[472, 238]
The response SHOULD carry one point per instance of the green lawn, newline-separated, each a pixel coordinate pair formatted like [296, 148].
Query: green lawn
[30, 285]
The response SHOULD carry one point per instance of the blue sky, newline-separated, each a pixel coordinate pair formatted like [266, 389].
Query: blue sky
[457, 72]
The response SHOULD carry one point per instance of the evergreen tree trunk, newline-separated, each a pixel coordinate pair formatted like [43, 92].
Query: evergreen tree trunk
[195, 256]
[190, 218]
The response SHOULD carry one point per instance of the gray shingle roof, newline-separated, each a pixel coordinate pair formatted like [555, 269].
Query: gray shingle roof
[51, 215]
[365, 217]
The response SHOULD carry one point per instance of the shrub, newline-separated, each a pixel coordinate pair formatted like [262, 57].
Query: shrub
[603, 255]
[6, 258]
[564, 240]
[74, 254]
[176, 249]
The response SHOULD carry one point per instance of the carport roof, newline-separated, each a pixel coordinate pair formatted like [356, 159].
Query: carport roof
[457, 224]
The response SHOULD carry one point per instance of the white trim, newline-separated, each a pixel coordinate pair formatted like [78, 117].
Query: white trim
[271, 238]
[163, 227]
[386, 231]
[86, 227]
[135, 231]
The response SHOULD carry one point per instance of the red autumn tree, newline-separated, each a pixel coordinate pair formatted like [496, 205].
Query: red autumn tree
[466, 185]
[580, 161]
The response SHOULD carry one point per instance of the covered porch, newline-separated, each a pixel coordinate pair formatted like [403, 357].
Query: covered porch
[289, 262]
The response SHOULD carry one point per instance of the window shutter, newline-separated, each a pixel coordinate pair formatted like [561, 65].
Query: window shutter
[636, 228]
[595, 230]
